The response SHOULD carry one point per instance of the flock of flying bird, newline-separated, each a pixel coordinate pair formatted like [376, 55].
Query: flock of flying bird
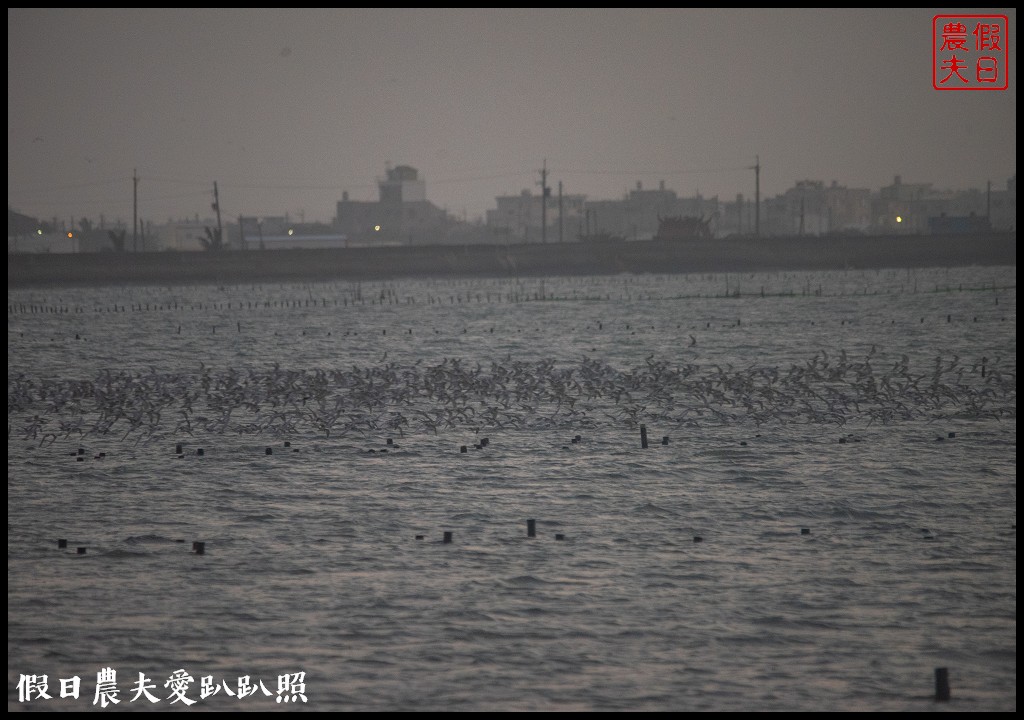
[455, 395]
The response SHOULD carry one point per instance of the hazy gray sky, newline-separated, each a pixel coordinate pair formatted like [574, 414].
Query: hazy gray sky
[288, 109]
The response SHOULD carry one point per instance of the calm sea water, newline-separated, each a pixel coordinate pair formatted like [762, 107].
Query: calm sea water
[842, 444]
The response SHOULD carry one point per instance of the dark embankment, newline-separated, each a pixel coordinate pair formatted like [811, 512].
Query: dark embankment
[552, 259]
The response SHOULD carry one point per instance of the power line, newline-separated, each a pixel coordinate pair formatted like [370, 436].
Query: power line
[51, 188]
[478, 178]
[665, 173]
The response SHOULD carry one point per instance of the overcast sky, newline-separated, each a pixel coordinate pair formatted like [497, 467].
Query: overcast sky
[288, 109]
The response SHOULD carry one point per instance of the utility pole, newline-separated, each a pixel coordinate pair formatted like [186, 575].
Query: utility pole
[544, 203]
[135, 210]
[241, 234]
[560, 211]
[216, 206]
[757, 195]
[988, 204]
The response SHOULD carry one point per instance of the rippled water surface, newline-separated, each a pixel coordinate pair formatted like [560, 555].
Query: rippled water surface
[825, 512]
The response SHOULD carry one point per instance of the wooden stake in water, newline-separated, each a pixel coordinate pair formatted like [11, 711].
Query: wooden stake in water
[643, 436]
[941, 684]
[531, 528]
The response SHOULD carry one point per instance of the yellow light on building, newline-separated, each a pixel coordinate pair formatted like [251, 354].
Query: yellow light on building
[899, 218]
[376, 228]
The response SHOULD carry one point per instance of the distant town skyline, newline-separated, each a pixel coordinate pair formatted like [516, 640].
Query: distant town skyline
[108, 220]
[288, 110]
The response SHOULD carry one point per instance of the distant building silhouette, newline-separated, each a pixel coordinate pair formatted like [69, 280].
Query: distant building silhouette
[402, 215]
[637, 216]
[518, 218]
[958, 224]
[812, 208]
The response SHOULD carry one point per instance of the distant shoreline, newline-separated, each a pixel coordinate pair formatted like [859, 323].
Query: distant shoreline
[510, 261]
